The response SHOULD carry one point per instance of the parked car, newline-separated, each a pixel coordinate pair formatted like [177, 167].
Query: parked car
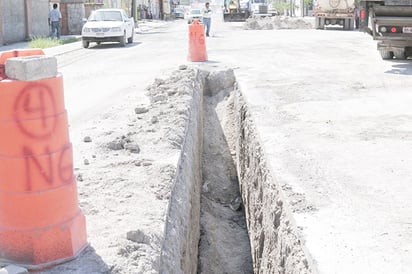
[194, 14]
[108, 25]
[179, 13]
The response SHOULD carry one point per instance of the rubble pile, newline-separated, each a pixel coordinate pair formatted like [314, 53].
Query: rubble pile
[277, 22]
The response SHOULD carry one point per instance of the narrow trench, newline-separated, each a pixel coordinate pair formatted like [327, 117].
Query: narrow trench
[206, 231]
[224, 245]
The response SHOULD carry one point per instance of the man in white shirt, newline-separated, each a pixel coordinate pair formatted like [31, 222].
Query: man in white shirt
[207, 14]
[54, 21]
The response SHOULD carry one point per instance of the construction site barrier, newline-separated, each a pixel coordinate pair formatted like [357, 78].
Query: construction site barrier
[41, 223]
[197, 42]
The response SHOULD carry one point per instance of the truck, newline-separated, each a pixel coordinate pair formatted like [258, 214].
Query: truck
[389, 22]
[335, 12]
[240, 10]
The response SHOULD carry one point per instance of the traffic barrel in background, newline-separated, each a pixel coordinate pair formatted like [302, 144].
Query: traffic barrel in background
[41, 223]
[197, 42]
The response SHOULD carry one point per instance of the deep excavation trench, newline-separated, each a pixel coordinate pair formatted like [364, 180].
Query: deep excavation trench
[224, 243]
[227, 214]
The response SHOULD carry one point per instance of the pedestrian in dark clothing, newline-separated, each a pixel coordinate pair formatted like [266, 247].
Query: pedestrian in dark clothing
[55, 18]
[357, 12]
[207, 14]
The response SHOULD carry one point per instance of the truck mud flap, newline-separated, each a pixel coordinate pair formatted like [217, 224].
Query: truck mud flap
[235, 17]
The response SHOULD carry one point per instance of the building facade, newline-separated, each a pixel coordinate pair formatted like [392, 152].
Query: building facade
[22, 20]
[73, 12]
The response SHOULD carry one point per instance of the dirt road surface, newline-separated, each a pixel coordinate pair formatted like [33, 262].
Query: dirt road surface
[333, 120]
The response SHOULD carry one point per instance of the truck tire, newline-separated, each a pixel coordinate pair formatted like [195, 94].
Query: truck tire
[345, 27]
[399, 54]
[347, 24]
[351, 24]
[386, 54]
[320, 23]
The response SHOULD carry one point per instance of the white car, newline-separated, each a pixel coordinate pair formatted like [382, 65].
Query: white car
[194, 14]
[108, 25]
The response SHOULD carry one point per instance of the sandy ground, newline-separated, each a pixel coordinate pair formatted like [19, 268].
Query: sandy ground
[125, 171]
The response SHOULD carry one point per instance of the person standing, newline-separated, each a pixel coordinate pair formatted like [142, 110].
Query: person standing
[207, 14]
[357, 13]
[55, 18]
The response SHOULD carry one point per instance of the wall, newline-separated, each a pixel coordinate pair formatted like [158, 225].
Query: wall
[23, 19]
[38, 11]
[73, 13]
[1, 23]
[13, 16]
[88, 8]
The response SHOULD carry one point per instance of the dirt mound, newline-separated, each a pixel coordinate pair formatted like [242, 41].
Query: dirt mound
[277, 22]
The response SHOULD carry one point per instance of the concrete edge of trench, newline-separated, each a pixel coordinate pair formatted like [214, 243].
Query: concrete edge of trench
[276, 244]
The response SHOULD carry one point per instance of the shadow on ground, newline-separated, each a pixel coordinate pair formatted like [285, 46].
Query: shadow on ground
[88, 261]
[401, 67]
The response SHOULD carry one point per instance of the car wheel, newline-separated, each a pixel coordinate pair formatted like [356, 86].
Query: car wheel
[130, 39]
[123, 40]
[85, 44]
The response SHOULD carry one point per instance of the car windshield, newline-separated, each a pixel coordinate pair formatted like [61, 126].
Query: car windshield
[101, 15]
[195, 12]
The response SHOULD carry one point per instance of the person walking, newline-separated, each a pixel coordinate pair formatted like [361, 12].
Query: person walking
[55, 18]
[207, 14]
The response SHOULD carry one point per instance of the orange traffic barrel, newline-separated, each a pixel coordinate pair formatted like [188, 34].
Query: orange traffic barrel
[41, 223]
[197, 42]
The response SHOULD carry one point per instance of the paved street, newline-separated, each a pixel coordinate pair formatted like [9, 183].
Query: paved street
[336, 124]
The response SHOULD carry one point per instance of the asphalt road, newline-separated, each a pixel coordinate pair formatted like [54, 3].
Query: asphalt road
[335, 121]
[102, 75]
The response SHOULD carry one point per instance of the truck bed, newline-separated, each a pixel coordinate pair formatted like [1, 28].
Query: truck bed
[330, 5]
[393, 11]
[392, 2]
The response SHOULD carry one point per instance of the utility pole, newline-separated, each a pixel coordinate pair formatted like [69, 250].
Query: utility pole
[161, 8]
[134, 10]
[28, 18]
[302, 8]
